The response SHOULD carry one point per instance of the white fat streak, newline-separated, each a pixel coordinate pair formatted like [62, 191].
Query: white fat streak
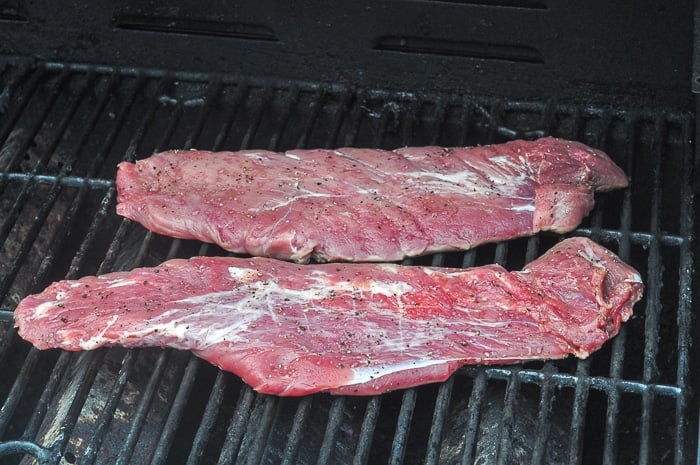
[303, 194]
[249, 303]
[242, 274]
[388, 289]
[523, 208]
[97, 341]
[504, 176]
[457, 177]
[44, 309]
[183, 325]
[388, 267]
[589, 255]
[292, 156]
[434, 270]
[121, 282]
[461, 182]
[366, 374]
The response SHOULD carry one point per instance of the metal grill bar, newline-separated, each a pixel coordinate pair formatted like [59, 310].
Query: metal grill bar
[394, 113]
[438, 422]
[369, 423]
[338, 117]
[68, 221]
[300, 418]
[578, 414]
[207, 422]
[262, 428]
[241, 91]
[398, 446]
[43, 456]
[651, 314]
[335, 416]
[87, 365]
[544, 411]
[167, 436]
[566, 380]
[15, 397]
[290, 101]
[36, 125]
[474, 412]
[213, 92]
[135, 142]
[5, 342]
[16, 75]
[234, 434]
[440, 118]
[89, 239]
[506, 425]
[64, 181]
[142, 410]
[18, 387]
[51, 197]
[685, 300]
[95, 441]
[354, 118]
[20, 104]
[312, 113]
[23, 194]
[256, 118]
[635, 238]
[618, 346]
[651, 320]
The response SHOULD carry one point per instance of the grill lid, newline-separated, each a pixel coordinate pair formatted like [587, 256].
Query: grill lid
[621, 53]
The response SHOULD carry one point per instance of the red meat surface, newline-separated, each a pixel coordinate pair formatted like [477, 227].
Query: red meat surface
[354, 204]
[290, 329]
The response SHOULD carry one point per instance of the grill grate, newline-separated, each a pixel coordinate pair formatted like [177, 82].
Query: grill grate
[64, 128]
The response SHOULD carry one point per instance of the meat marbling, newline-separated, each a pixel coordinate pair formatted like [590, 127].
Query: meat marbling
[355, 204]
[290, 329]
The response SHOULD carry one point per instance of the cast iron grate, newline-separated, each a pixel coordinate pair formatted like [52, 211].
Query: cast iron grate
[64, 128]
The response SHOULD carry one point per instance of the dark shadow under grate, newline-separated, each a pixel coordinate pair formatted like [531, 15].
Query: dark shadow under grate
[63, 129]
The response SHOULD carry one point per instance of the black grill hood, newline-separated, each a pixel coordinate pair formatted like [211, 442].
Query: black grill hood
[615, 53]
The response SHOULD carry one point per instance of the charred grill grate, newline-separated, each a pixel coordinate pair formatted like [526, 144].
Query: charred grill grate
[64, 128]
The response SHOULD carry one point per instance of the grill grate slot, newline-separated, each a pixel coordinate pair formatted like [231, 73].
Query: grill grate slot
[169, 407]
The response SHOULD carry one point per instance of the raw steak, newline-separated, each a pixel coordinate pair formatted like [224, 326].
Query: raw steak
[291, 329]
[355, 204]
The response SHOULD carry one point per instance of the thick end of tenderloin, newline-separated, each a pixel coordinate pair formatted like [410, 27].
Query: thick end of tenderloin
[587, 277]
[587, 166]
